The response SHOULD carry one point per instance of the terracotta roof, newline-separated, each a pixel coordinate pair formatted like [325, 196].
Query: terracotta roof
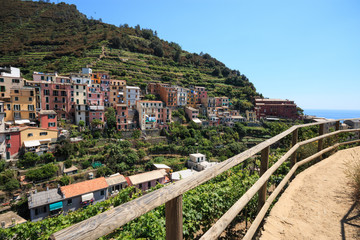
[84, 187]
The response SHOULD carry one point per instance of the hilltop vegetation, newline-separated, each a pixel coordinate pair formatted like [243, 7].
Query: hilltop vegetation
[47, 37]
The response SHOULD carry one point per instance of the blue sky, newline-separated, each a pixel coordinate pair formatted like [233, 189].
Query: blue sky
[306, 51]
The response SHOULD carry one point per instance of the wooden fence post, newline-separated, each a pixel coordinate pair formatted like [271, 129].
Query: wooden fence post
[320, 142]
[263, 167]
[174, 219]
[337, 128]
[294, 141]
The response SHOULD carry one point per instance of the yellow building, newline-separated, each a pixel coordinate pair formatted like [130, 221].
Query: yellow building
[117, 89]
[191, 98]
[21, 107]
[37, 139]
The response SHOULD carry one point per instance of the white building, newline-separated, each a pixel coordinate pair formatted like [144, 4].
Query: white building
[14, 72]
[132, 94]
[81, 78]
[198, 162]
[181, 96]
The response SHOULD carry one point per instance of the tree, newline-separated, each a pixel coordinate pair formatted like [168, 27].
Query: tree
[2, 165]
[103, 171]
[68, 163]
[12, 184]
[96, 123]
[65, 180]
[47, 158]
[81, 123]
[136, 134]
[110, 120]
[28, 160]
[115, 42]
[240, 129]
[149, 97]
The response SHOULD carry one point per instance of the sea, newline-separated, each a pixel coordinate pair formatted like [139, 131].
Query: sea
[333, 114]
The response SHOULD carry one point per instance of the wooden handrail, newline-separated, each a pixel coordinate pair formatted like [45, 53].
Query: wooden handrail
[110, 220]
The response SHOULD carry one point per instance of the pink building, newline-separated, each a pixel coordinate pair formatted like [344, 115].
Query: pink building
[96, 112]
[201, 93]
[48, 119]
[192, 112]
[147, 180]
[95, 96]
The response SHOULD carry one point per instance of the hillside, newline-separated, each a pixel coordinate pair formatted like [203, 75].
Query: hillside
[39, 36]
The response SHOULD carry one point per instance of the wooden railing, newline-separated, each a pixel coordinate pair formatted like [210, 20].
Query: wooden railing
[171, 195]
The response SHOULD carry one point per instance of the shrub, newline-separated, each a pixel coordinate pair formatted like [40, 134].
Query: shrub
[47, 171]
[68, 163]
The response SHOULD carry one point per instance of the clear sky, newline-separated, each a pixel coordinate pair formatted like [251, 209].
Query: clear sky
[307, 51]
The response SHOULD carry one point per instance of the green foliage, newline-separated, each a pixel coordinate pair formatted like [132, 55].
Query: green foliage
[81, 123]
[8, 180]
[47, 158]
[28, 160]
[136, 134]
[141, 153]
[44, 172]
[110, 120]
[2, 165]
[65, 180]
[149, 97]
[103, 171]
[68, 163]
[85, 164]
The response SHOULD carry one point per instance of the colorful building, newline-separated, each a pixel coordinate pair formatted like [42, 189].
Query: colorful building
[153, 115]
[168, 95]
[48, 119]
[201, 93]
[266, 107]
[132, 95]
[20, 108]
[116, 94]
[191, 112]
[38, 140]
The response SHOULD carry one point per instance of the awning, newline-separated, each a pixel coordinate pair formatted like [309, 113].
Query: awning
[57, 205]
[22, 121]
[87, 197]
[45, 140]
[9, 122]
[33, 143]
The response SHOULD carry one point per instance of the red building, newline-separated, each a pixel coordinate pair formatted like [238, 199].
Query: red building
[55, 93]
[201, 94]
[48, 119]
[168, 95]
[265, 107]
[12, 142]
[124, 117]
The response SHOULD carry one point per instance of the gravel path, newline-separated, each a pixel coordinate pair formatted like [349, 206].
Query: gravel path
[317, 204]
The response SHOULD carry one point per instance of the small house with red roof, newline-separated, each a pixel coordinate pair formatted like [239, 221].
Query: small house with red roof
[84, 193]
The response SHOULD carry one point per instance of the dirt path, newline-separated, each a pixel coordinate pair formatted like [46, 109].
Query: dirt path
[317, 204]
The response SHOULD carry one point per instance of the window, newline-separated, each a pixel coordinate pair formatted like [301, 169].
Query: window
[43, 133]
[8, 137]
[69, 201]
[32, 115]
[31, 107]
[47, 99]
[149, 185]
[8, 107]
[16, 91]
[55, 93]
[46, 92]
[42, 78]
[2, 89]
[16, 107]
[16, 98]
[140, 185]
[16, 81]
[51, 116]
[51, 124]
[8, 145]
[1, 80]
[102, 193]
[30, 134]
[47, 107]
[30, 99]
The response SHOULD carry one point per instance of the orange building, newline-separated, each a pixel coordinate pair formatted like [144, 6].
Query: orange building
[117, 89]
[99, 77]
[168, 94]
